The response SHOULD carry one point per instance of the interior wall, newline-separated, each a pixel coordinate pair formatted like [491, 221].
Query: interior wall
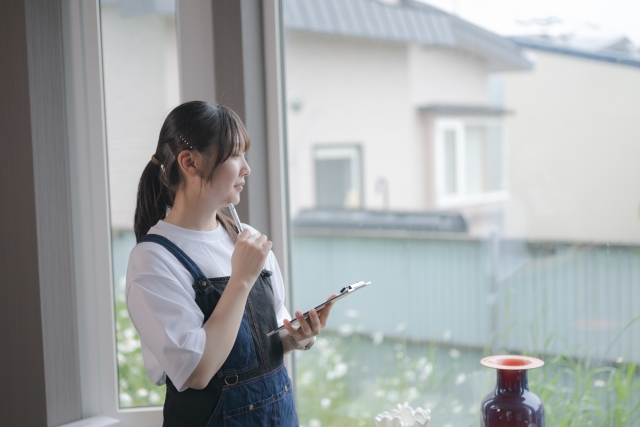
[23, 376]
[37, 311]
[53, 210]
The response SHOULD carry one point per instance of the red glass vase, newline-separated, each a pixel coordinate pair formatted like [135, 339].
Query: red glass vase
[511, 404]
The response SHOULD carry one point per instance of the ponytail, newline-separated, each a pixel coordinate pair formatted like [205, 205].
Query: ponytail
[153, 201]
[213, 130]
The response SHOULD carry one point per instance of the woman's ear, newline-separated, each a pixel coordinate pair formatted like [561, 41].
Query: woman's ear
[189, 162]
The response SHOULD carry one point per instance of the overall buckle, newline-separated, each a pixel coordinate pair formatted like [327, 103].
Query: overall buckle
[233, 383]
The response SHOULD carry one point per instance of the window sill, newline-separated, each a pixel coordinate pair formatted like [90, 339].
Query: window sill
[447, 202]
[94, 422]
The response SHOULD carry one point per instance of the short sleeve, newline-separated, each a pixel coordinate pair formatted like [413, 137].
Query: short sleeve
[165, 315]
[277, 284]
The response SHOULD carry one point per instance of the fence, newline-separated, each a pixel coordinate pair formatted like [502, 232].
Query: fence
[547, 297]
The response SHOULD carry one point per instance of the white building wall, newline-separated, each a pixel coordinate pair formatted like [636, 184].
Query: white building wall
[352, 91]
[574, 150]
[368, 92]
[141, 87]
[445, 76]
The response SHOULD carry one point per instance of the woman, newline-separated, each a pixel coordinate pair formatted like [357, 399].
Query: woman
[202, 297]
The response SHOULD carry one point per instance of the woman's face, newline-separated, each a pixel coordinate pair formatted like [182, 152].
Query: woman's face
[228, 181]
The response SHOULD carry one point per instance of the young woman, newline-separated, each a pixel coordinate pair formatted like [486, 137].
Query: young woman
[202, 297]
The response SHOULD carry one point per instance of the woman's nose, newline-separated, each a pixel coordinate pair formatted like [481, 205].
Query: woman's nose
[246, 170]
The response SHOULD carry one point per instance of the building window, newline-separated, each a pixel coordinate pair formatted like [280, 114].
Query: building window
[338, 177]
[469, 161]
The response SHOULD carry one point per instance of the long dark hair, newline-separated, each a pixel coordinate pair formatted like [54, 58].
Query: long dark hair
[213, 130]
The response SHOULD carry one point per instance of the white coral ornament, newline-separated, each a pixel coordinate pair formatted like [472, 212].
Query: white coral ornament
[404, 416]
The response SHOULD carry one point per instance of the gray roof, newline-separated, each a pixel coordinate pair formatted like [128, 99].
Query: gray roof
[409, 22]
[376, 220]
[464, 110]
[548, 45]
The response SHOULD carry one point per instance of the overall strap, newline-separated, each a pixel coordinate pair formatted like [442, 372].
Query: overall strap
[188, 263]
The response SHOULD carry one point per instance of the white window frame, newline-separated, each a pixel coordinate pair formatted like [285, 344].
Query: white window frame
[90, 204]
[460, 198]
[351, 152]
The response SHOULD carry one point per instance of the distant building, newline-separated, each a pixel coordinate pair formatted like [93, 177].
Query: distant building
[394, 107]
[574, 141]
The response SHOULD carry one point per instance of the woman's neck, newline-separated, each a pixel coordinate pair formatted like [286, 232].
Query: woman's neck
[192, 214]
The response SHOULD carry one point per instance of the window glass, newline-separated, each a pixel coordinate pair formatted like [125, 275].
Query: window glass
[494, 158]
[496, 211]
[449, 163]
[140, 87]
[474, 159]
[338, 177]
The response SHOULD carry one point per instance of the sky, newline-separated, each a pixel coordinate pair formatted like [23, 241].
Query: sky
[593, 19]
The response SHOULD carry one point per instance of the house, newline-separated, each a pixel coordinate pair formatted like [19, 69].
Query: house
[394, 106]
[574, 141]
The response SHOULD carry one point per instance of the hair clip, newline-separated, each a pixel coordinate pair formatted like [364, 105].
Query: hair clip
[185, 141]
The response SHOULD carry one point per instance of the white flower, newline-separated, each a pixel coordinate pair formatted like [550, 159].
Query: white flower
[325, 402]
[142, 392]
[345, 329]
[598, 383]
[377, 338]
[461, 378]
[454, 353]
[314, 423]
[401, 327]
[446, 335]
[125, 399]
[404, 416]
[619, 360]
[426, 372]
[154, 397]
[340, 370]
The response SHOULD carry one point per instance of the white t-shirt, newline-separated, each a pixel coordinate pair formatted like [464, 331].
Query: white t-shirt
[161, 301]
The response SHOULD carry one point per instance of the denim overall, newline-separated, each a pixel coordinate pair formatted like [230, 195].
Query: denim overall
[252, 388]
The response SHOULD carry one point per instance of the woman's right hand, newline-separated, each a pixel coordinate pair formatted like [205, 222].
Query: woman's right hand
[249, 256]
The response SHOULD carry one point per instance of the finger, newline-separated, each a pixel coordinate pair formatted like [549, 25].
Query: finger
[304, 326]
[254, 239]
[324, 314]
[246, 233]
[295, 334]
[314, 321]
[261, 240]
[267, 246]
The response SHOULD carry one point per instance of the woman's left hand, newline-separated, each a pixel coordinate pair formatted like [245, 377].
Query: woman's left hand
[308, 328]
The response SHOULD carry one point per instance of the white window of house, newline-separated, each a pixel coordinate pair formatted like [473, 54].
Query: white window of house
[338, 177]
[469, 161]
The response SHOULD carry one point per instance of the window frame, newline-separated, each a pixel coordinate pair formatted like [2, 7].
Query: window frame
[351, 152]
[90, 197]
[460, 198]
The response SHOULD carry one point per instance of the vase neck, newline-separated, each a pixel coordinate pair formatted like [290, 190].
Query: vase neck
[512, 382]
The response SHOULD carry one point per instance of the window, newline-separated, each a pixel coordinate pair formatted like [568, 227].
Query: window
[533, 287]
[141, 85]
[506, 136]
[338, 177]
[469, 162]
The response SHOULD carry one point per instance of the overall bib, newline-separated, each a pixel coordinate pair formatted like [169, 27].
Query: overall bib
[252, 388]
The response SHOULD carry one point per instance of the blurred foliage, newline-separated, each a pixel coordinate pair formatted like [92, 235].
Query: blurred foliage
[135, 387]
[348, 378]
[335, 389]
